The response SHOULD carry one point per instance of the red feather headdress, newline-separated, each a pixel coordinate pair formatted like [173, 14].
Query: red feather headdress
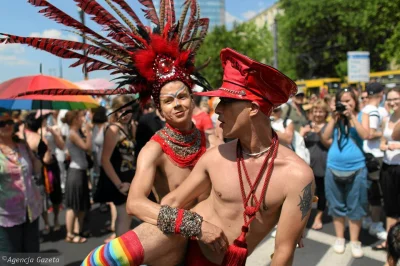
[145, 58]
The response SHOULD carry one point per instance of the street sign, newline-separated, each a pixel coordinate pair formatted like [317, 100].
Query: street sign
[358, 66]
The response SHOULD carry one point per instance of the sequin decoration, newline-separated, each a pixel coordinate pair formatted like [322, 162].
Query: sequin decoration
[183, 148]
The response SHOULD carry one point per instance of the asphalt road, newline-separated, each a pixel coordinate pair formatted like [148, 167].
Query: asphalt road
[317, 250]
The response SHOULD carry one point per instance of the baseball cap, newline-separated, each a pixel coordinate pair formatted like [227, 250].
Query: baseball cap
[374, 88]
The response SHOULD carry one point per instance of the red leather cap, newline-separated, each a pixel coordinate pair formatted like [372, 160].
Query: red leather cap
[247, 79]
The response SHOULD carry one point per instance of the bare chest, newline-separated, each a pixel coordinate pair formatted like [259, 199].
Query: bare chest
[168, 177]
[230, 187]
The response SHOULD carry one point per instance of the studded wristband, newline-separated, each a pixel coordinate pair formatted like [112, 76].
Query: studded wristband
[189, 225]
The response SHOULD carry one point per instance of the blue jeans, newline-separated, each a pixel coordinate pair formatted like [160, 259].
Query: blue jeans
[347, 200]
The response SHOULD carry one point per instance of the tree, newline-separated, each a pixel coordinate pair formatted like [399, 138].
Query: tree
[245, 38]
[315, 36]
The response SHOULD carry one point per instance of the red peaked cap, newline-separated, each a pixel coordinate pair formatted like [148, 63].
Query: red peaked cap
[247, 79]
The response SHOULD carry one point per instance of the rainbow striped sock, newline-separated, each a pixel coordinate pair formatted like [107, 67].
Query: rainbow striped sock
[124, 250]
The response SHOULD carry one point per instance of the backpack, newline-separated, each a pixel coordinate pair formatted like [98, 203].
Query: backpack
[298, 145]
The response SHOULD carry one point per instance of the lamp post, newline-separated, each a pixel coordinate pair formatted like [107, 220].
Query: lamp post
[82, 17]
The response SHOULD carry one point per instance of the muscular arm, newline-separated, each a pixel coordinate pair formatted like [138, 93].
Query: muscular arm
[294, 215]
[138, 204]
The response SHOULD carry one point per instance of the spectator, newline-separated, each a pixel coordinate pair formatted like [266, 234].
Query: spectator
[51, 185]
[371, 145]
[20, 199]
[318, 153]
[76, 189]
[393, 250]
[346, 173]
[364, 99]
[283, 127]
[148, 124]
[118, 160]
[390, 172]
[294, 111]
[200, 118]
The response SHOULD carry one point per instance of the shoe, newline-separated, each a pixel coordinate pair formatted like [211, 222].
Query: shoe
[356, 250]
[339, 247]
[377, 230]
[366, 222]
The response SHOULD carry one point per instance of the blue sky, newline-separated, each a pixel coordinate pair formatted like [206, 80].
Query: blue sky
[20, 18]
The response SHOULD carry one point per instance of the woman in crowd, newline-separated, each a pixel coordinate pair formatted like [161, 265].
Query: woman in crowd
[346, 173]
[390, 171]
[284, 128]
[99, 120]
[42, 142]
[76, 189]
[318, 154]
[20, 199]
[118, 160]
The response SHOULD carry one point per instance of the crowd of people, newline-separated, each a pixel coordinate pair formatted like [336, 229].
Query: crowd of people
[66, 158]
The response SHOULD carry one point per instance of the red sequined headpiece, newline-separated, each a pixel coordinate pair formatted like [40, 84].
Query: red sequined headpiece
[146, 59]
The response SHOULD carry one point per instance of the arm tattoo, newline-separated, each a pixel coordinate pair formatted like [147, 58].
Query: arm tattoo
[305, 201]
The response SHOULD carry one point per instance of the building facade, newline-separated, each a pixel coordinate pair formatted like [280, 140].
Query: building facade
[212, 9]
[267, 16]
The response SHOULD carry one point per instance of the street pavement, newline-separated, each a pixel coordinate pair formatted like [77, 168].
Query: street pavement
[317, 250]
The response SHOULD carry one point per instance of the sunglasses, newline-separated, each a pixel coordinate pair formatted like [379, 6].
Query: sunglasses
[228, 100]
[6, 122]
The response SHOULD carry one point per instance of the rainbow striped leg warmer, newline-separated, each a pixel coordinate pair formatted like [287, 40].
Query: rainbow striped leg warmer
[123, 250]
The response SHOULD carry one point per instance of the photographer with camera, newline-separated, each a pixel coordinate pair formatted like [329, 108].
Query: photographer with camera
[346, 172]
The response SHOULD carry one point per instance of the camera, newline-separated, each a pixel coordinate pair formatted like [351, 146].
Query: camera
[340, 107]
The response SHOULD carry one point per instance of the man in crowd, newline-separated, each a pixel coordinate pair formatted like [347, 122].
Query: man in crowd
[295, 112]
[201, 119]
[261, 196]
[371, 145]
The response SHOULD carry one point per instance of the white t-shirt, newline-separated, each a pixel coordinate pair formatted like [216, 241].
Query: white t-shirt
[277, 125]
[375, 122]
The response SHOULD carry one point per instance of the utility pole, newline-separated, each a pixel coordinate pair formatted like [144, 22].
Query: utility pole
[82, 16]
[61, 68]
[275, 34]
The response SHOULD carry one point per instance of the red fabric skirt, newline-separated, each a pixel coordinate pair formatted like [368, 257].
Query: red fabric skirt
[195, 257]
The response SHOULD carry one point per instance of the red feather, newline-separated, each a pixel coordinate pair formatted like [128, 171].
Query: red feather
[150, 12]
[59, 16]
[192, 20]
[40, 43]
[129, 10]
[101, 16]
[76, 92]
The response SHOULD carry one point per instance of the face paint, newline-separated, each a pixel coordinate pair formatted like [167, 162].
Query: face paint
[174, 95]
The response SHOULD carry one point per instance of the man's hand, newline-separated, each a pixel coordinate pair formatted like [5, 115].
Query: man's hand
[214, 237]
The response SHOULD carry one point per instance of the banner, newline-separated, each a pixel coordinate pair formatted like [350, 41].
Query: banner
[358, 66]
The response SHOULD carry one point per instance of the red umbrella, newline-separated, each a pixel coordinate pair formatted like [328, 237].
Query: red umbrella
[29, 85]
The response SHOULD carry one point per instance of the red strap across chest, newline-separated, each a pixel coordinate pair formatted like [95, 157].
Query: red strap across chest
[250, 211]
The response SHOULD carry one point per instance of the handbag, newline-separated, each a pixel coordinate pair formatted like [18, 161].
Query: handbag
[344, 177]
[371, 162]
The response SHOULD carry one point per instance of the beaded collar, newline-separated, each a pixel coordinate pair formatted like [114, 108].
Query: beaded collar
[183, 148]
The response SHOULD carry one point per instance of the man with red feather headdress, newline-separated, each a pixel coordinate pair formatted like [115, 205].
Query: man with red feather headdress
[160, 64]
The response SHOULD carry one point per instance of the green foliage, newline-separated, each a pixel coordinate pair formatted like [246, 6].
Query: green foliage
[245, 38]
[315, 35]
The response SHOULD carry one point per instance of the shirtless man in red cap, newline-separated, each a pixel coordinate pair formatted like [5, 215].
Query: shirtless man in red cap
[251, 190]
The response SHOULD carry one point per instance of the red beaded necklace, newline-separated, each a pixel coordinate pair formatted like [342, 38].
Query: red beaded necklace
[237, 253]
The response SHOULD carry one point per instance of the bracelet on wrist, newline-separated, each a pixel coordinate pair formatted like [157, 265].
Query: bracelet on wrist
[178, 221]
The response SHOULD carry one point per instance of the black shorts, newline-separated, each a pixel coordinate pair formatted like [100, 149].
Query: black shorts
[390, 183]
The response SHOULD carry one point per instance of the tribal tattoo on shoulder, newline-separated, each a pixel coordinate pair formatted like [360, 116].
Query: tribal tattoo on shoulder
[305, 201]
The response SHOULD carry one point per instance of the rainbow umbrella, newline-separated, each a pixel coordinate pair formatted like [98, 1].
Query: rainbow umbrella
[17, 86]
